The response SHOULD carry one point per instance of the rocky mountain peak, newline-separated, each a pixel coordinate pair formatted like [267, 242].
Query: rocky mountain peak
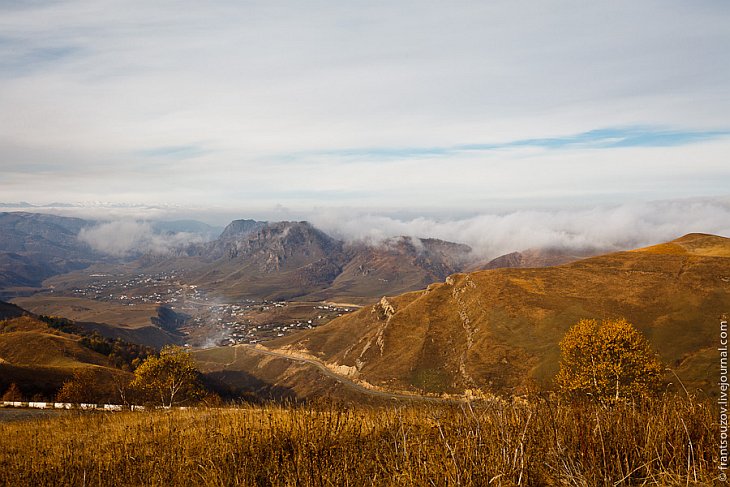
[240, 228]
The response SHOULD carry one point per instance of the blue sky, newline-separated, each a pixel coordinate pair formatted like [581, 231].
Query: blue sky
[461, 107]
[594, 139]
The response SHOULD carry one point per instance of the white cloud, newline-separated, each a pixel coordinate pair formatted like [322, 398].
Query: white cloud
[125, 238]
[615, 227]
[600, 226]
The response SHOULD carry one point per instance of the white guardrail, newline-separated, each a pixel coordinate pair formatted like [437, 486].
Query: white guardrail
[68, 405]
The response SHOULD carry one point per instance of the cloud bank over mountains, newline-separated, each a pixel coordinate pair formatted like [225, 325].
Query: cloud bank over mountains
[614, 227]
[125, 238]
[601, 227]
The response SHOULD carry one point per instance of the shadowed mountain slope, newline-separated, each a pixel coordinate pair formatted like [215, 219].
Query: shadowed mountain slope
[9, 310]
[34, 247]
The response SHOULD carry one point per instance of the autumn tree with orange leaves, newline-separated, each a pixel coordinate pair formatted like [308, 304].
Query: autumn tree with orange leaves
[170, 379]
[608, 361]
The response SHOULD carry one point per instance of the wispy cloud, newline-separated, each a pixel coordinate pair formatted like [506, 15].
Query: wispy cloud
[593, 139]
[174, 152]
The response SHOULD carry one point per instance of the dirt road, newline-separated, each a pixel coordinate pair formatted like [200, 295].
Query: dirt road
[347, 382]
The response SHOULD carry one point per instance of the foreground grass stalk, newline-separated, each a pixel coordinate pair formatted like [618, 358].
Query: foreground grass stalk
[544, 441]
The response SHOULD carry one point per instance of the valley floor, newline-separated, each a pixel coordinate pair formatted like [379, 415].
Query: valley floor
[543, 441]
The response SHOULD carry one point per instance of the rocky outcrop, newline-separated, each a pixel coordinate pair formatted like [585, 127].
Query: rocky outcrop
[384, 310]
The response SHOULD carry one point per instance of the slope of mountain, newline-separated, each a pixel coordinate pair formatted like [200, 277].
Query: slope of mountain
[395, 266]
[39, 359]
[34, 247]
[286, 260]
[40, 233]
[145, 324]
[499, 330]
[535, 258]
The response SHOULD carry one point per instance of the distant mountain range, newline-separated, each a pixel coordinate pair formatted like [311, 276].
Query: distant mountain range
[286, 260]
[35, 246]
[248, 259]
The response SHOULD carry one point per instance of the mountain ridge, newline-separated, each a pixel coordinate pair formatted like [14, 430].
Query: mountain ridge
[285, 260]
[262, 260]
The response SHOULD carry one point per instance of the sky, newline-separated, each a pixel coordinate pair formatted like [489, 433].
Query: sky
[419, 109]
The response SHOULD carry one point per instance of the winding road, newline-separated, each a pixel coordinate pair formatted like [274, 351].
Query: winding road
[345, 381]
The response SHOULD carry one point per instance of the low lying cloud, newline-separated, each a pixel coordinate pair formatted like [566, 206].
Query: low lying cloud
[607, 228]
[125, 238]
[601, 227]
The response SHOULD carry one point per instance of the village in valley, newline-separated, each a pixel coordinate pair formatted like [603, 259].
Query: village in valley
[253, 322]
[206, 320]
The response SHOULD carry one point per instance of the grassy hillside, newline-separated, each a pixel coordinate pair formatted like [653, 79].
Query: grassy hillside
[39, 358]
[110, 319]
[28, 341]
[499, 330]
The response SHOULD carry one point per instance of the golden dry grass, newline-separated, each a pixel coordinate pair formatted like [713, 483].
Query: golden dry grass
[540, 442]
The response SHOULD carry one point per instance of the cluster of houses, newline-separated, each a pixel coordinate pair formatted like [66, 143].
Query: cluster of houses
[164, 287]
[231, 322]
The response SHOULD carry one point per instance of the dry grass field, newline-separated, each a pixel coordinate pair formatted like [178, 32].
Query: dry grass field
[543, 441]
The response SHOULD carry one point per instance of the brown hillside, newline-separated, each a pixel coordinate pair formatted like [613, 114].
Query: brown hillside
[112, 320]
[39, 358]
[537, 257]
[499, 329]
